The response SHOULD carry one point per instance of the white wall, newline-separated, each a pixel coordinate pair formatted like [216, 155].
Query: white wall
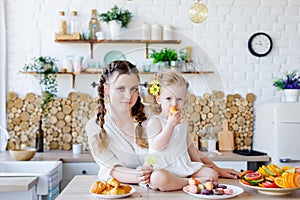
[220, 42]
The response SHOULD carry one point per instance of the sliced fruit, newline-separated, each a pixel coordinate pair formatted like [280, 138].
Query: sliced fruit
[262, 171]
[275, 169]
[245, 172]
[291, 170]
[296, 179]
[279, 182]
[285, 180]
[256, 182]
[253, 176]
[269, 171]
[269, 184]
[173, 110]
[245, 182]
[270, 178]
[284, 168]
[290, 179]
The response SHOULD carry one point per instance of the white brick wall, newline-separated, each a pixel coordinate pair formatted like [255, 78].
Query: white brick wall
[219, 44]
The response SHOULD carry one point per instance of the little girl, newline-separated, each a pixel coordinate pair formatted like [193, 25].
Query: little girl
[170, 144]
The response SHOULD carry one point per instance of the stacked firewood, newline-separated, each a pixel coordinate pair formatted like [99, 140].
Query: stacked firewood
[67, 117]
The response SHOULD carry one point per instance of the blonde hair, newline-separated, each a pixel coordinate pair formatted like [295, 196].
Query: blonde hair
[166, 78]
[137, 111]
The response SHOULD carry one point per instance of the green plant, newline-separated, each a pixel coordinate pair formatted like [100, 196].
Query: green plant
[116, 13]
[164, 55]
[291, 81]
[46, 71]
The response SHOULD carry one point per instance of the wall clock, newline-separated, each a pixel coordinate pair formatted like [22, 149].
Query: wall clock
[260, 44]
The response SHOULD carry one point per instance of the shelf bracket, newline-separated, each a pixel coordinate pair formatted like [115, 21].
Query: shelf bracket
[147, 50]
[92, 49]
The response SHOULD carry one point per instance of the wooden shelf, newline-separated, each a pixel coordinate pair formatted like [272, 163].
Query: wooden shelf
[146, 42]
[73, 74]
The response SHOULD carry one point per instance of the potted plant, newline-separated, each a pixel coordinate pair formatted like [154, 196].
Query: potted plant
[168, 56]
[290, 84]
[46, 71]
[116, 18]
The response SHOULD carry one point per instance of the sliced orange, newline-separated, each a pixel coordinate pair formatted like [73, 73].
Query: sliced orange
[290, 179]
[279, 182]
[296, 179]
[285, 180]
[275, 169]
[284, 168]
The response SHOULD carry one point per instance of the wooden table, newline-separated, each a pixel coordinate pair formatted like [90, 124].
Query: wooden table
[78, 189]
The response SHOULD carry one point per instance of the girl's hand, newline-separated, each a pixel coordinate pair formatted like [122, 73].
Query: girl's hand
[175, 118]
[143, 174]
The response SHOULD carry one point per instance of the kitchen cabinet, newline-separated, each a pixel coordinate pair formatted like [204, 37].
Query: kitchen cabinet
[77, 168]
[146, 42]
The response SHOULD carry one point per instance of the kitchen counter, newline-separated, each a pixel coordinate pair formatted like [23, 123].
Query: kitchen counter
[10, 184]
[68, 156]
[79, 187]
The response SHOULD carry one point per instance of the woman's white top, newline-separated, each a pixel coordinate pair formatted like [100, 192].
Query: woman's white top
[175, 157]
[120, 150]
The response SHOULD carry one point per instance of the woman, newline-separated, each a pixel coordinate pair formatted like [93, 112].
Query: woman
[116, 135]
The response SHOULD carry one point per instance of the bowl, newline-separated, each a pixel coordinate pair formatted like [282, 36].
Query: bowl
[23, 154]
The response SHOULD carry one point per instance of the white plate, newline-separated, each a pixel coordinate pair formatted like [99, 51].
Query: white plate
[236, 191]
[271, 191]
[112, 56]
[103, 196]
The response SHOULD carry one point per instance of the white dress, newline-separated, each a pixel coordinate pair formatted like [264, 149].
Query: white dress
[120, 150]
[174, 157]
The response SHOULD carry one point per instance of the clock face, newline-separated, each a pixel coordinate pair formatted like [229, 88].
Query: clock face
[260, 44]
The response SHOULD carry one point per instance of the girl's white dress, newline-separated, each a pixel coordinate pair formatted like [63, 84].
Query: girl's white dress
[175, 157]
[120, 151]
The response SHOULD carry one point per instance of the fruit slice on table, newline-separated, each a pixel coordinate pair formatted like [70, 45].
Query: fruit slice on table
[245, 172]
[275, 169]
[253, 176]
[270, 172]
[290, 179]
[284, 168]
[279, 182]
[296, 179]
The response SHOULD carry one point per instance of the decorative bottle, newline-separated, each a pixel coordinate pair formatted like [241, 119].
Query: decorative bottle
[74, 23]
[39, 140]
[94, 25]
[62, 25]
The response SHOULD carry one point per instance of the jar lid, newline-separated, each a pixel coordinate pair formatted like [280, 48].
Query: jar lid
[74, 13]
[61, 13]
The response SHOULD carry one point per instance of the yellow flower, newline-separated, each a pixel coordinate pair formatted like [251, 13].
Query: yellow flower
[154, 87]
[151, 160]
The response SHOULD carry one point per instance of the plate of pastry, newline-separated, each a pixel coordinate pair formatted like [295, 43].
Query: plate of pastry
[111, 189]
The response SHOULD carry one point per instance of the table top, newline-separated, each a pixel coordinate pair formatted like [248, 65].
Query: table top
[68, 156]
[79, 186]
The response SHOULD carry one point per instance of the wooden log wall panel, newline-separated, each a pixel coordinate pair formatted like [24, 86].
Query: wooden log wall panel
[67, 117]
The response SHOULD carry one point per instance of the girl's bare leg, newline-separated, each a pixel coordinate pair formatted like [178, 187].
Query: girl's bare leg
[206, 174]
[165, 181]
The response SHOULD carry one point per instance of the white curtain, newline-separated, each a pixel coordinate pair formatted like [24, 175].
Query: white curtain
[3, 76]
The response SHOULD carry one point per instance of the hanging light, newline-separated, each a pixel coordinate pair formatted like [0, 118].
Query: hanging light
[198, 12]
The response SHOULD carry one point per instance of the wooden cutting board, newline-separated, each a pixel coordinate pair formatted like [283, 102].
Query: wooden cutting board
[225, 138]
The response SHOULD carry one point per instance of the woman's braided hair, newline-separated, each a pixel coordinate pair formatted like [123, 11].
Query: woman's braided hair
[137, 111]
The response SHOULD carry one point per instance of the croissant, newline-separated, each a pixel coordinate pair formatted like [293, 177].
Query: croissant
[114, 182]
[98, 187]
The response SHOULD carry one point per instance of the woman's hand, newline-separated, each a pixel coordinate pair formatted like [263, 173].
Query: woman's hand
[143, 174]
[228, 173]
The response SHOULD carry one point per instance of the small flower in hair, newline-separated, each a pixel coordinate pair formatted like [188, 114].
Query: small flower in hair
[154, 87]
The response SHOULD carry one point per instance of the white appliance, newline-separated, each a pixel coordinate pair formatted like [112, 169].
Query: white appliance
[277, 132]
